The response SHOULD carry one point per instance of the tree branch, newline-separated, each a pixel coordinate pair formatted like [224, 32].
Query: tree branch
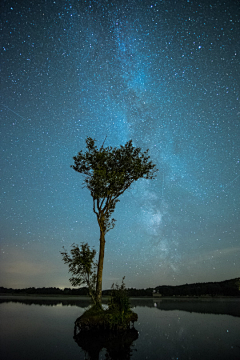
[98, 207]
[102, 203]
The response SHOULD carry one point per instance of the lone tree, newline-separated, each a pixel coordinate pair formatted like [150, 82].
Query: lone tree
[109, 172]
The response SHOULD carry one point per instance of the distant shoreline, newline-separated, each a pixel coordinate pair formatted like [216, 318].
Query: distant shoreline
[44, 297]
[84, 297]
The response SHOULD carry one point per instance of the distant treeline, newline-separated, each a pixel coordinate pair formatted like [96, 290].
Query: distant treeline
[45, 291]
[134, 292]
[223, 288]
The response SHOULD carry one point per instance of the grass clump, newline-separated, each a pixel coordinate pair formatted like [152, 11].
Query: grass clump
[119, 314]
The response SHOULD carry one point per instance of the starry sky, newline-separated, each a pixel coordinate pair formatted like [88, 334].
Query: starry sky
[163, 73]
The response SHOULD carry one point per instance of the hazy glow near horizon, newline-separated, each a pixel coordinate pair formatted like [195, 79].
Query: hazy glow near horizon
[164, 74]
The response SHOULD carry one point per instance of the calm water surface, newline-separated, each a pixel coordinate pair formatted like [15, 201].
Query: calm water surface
[166, 330]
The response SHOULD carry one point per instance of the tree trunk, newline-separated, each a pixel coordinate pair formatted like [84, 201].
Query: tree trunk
[100, 268]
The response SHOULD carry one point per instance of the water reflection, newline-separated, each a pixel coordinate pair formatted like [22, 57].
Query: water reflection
[224, 306]
[165, 330]
[210, 306]
[118, 346]
[82, 302]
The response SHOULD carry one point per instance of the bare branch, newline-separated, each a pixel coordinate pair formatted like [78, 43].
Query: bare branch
[103, 143]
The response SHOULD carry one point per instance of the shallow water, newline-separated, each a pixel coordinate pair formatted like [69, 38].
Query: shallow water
[166, 330]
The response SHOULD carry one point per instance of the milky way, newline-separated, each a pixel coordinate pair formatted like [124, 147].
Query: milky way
[164, 74]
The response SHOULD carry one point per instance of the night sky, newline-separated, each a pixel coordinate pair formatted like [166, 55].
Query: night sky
[165, 74]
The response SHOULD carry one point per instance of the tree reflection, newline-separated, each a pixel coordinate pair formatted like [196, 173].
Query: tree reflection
[118, 345]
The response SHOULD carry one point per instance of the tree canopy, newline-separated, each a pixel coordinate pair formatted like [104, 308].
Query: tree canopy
[109, 172]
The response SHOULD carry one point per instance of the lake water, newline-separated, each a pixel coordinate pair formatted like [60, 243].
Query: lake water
[166, 329]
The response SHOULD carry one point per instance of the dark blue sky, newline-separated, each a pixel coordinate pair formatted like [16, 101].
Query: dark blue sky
[164, 74]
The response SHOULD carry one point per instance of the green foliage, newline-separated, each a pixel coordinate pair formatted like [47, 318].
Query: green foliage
[109, 172]
[82, 266]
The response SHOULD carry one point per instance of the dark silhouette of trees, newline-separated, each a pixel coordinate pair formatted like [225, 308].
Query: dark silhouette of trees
[108, 173]
[222, 288]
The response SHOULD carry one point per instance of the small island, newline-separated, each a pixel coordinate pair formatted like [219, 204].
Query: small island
[117, 317]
